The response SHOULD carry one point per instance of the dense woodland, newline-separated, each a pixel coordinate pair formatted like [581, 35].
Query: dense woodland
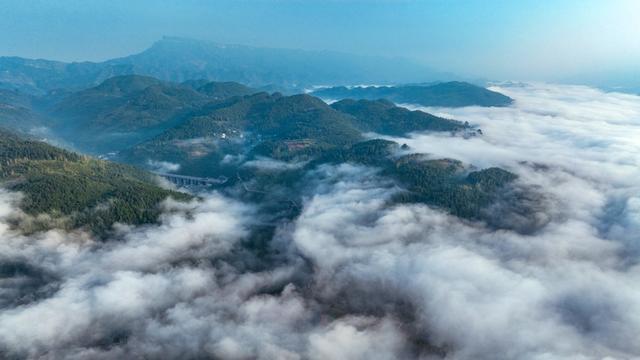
[447, 94]
[444, 183]
[212, 129]
[77, 190]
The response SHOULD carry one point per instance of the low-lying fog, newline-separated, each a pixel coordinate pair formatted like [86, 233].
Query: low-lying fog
[358, 279]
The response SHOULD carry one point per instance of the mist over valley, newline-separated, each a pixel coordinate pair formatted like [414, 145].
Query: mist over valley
[198, 200]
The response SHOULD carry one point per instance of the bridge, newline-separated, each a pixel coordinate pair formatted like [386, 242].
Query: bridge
[184, 180]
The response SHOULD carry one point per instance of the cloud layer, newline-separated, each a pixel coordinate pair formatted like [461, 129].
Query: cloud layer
[353, 278]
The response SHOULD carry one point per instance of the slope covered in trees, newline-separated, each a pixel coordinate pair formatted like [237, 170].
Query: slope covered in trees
[447, 94]
[77, 191]
[124, 110]
[224, 90]
[124, 104]
[263, 144]
[281, 127]
[383, 117]
[444, 183]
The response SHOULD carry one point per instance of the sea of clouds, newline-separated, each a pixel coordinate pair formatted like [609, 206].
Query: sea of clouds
[353, 278]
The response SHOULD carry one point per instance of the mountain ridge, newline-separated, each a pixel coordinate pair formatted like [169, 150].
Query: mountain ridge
[440, 94]
[179, 59]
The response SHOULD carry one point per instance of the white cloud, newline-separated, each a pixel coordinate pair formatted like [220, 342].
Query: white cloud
[266, 163]
[355, 278]
[567, 291]
[163, 166]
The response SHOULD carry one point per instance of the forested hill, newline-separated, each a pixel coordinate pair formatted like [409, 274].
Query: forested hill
[383, 117]
[281, 127]
[447, 94]
[220, 130]
[221, 90]
[75, 190]
[127, 109]
[126, 103]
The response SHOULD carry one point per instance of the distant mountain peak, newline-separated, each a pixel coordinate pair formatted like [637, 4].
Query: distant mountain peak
[179, 59]
[185, 41]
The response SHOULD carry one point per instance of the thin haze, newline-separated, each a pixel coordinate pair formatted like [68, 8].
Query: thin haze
[494, 39]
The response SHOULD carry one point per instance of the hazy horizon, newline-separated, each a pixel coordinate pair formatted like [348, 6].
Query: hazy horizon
[574, 41]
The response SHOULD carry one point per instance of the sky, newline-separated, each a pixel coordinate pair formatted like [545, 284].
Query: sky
[493, 39]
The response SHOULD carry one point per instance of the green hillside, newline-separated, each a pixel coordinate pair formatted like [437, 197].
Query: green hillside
[125, 110]
[444, 183]
[383, 117]
[278, 126]
[264, 144]
[281, 127]
[75, 190]
[446, 94]
[126, 103]
[224, 90]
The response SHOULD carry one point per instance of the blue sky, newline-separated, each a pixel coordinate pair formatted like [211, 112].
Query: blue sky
[496, 39]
